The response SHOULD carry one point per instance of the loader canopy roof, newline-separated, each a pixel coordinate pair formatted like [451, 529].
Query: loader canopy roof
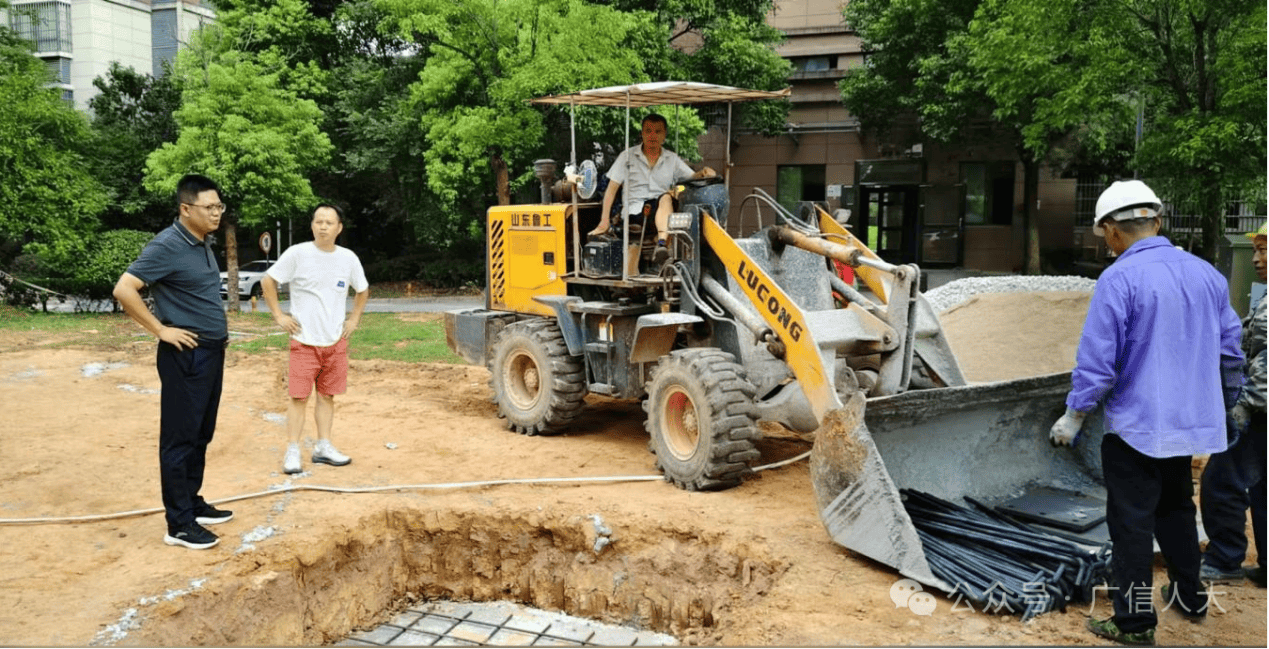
[661, 93]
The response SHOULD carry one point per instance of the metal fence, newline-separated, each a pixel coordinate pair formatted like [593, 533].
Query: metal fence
[1179, 218]
[1239, 217]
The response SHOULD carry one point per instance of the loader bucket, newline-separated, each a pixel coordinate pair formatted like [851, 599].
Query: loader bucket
[987, 441]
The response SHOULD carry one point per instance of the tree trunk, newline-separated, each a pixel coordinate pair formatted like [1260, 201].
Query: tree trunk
[1211, 217]
[231, 262]
[501, 182]
[1030, 220]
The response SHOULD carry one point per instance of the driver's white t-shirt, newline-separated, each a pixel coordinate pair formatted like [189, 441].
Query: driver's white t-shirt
[647, 183]
[319, 289]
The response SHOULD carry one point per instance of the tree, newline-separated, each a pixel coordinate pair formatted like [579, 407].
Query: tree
[238, 126]
[1021, 55]
[484, 60]
[1195, 69]
[921, 74]
[1066, 79]
[1201, 76]
[48, 200]
[132, 117]
[726, 42]
[107, 257]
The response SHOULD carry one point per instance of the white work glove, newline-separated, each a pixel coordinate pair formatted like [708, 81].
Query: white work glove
[1067, 428]
[1238, 419]
[1241, 415]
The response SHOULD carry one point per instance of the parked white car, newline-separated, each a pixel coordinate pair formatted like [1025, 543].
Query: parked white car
[249, 277]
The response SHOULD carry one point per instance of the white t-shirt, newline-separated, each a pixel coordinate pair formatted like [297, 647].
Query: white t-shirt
[647, 183]
[319, 289]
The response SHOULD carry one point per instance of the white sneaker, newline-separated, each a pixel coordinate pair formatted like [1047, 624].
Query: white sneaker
[326, 453]
[291, 461]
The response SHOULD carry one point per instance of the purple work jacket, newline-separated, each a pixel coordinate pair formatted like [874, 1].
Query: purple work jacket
[1161, 348]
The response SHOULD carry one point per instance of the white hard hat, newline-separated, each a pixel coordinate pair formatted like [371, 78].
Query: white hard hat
[1124, 200]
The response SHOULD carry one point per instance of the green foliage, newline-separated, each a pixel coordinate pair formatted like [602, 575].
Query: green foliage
[241, 128]
[910, 65]
[1203, 87]
[284, 37]
[484, 60]
[132, 116]
[48, 200]
[109, 255]
[1195, 69]
[453, 267]
[1069, 77]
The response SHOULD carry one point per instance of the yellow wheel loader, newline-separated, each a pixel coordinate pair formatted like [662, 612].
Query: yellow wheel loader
[737, 330]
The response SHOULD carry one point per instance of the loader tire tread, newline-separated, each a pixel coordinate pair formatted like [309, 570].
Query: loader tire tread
[723, 399]
[563, 378]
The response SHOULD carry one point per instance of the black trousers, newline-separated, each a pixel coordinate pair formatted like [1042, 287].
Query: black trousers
[190, 400]
[1150, 499]
[1233, 481]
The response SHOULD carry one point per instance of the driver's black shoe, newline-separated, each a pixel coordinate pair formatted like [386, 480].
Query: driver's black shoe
[660, 256]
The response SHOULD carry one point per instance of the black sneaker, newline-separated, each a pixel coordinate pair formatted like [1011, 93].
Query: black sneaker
[192, 536]
[660, 255]
[1192, 616]
[209, 515]
[1218, 576]
[1256, 575]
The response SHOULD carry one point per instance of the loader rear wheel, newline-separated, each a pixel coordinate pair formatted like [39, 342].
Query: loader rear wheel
[701, 419]
[537, 385]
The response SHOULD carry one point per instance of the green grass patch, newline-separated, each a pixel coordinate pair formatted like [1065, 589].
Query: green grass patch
[61, 330]
[407, 337]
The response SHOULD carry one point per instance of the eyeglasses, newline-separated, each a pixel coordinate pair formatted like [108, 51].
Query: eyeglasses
[214, 208]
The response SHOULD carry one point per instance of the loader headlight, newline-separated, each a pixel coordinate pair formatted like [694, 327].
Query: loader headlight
[680, 220]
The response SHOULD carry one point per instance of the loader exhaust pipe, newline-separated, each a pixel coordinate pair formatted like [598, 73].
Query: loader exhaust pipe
[544, 170]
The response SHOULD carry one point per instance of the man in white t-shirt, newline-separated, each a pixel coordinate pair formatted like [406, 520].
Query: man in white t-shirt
[649, 171]
[320, 274]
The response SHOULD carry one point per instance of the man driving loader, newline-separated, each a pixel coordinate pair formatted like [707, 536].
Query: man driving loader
[652, 171]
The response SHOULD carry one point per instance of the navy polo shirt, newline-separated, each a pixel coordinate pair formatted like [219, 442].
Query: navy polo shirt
[185, 281]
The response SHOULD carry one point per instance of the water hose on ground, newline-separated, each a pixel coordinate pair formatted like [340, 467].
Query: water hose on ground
[365, 490]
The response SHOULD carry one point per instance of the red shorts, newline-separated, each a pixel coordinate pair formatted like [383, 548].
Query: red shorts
[325, 366]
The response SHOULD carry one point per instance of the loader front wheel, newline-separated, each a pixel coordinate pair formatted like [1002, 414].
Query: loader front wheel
[537, 385]
[701, 419]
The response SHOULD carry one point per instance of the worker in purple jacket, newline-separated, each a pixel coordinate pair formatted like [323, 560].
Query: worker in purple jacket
[1161, 351]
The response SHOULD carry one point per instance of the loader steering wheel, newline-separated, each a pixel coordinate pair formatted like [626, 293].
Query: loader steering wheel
[703, 182]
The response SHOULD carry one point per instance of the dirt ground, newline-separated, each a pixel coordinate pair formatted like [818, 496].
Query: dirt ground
[749, 566]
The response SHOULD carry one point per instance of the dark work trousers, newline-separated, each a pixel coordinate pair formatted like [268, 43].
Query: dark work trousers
[1147, 499]
[1233, 481]
[190, 400]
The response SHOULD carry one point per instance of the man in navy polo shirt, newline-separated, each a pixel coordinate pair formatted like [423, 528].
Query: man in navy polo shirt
[190, 324]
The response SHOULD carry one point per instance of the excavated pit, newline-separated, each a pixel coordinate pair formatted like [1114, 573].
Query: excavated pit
[679, 582]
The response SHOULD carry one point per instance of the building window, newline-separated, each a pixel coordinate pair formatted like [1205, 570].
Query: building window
[47, 24]
[1088, 187]
[988, 192]
[798, 183]
[59, 68]
[814, 63]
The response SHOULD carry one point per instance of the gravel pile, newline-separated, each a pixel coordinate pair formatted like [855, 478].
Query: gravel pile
[960, 290]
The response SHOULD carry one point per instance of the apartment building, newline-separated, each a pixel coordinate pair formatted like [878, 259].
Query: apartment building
[915, 201]
[79, 39]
